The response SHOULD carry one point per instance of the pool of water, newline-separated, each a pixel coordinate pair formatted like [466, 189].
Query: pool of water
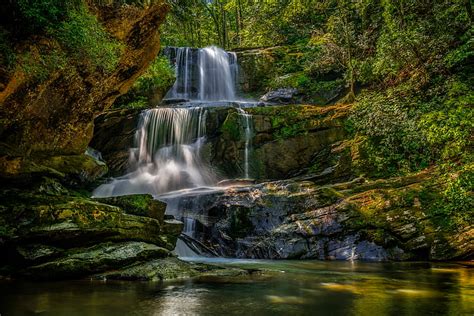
[283, 288]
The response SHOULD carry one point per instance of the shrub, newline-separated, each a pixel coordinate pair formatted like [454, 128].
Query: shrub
[42, 14]
[393, 141]
[86, 40]
[150, 87]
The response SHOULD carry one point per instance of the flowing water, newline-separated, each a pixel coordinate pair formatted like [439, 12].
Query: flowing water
[247, 124]
[168, 142]
[205, 74]
[167, 155]
[285, 288]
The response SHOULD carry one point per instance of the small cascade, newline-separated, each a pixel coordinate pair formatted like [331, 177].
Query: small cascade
[189, 226]
[167, 155]
[207, 74]
[247, 124]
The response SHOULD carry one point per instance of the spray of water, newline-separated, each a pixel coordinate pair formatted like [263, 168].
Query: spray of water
[207, 74]
[167, 155]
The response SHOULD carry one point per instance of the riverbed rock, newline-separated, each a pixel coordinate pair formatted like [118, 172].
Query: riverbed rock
[372, 220]
[86, 261]
[48, 231]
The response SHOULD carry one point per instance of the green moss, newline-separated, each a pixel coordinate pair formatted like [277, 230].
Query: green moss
[139, 204]
[231, 128]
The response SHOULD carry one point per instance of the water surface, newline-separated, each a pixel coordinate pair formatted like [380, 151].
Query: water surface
[284, 288]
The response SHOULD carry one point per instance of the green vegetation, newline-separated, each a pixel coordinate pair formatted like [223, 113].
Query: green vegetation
[151, 87]
[86, 41]
[75, 38]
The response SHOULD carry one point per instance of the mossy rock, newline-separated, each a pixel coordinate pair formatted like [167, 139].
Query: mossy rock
[86, 261]
[75, 169]
[139, 204]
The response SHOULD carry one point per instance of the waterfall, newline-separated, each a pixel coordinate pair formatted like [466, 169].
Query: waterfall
[206, 74]
[247, 125]
[167, 156]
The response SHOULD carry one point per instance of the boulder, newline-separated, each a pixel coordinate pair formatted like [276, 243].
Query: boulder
[102, 257]
[281, 96]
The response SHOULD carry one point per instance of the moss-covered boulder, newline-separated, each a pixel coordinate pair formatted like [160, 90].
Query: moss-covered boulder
[86, 261]
[48, 231]
[139, 204]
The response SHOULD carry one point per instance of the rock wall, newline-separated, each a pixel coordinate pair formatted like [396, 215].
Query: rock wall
[286, 141]
[358, 220]
[56, 116]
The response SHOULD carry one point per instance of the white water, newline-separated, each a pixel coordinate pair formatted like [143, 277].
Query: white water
[247, 122]
[166, 160]
[206, 74]
[167, 154]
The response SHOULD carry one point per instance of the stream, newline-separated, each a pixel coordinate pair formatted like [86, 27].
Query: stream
[283, 288]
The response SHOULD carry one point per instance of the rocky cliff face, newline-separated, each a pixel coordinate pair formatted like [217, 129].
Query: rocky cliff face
[358, 220]
[56, 116]
[49, 227]
[286, 141]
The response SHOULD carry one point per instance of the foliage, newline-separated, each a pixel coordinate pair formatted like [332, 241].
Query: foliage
[160, 75]
[150, 87]
[393, 140]
[450, 123]
[7, 55]
[86, 40]
[37, 66]
[41, 14]
[83, 42]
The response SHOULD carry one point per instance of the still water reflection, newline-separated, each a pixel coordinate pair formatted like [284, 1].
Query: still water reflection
[285, 288]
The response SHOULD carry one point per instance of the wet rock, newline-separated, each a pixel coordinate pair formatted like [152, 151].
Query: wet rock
[281, 96]
[38, 252]
[168, 269]
[152, 270]
[356, 220]
[102, 257]
[114, 133]
[138, 204]
[48, 228]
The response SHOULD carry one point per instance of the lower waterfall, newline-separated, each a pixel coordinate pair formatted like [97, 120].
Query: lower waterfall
[167, 156]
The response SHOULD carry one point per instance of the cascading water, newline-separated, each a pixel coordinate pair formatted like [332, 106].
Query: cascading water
[167, 154]
[168, 142]
[247, 124]
[207, 74]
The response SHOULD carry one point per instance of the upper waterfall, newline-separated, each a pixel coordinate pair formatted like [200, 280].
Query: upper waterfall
[205, 74]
